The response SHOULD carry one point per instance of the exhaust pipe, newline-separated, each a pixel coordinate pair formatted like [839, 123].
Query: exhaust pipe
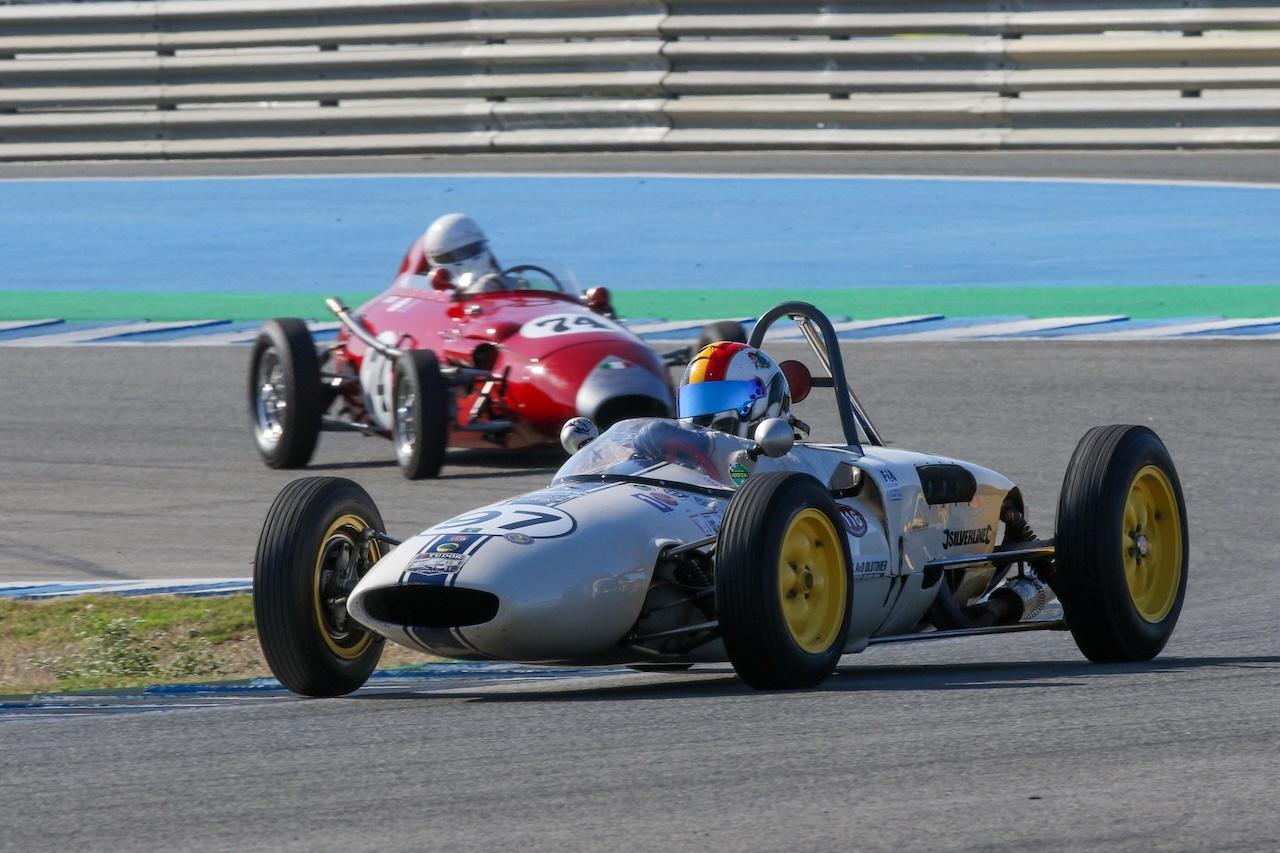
[1020, 597]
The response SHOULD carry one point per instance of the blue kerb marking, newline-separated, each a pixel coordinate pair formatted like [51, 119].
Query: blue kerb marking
[1239, 332]
[392, 677]
[1067, 331]
[345, 234]
[127, 588]
[929, 326]
[909, 326]
[59, 328]
[144, 335]
[250, 330]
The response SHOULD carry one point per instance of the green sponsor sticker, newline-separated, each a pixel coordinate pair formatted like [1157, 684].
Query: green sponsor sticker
[738, 473]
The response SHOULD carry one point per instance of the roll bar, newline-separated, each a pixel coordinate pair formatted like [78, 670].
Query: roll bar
[817, 330]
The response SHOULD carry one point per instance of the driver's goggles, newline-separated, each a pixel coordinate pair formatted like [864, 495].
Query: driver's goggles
[727, 395]
[458, 255]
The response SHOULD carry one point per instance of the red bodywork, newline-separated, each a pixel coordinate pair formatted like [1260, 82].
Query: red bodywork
[543, 375]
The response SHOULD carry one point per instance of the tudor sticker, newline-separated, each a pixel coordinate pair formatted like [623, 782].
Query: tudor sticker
[532, 520]
[871, 568]
[853, 521]
[554, 325]
[440, 564]
[446, 554]
[961, 538]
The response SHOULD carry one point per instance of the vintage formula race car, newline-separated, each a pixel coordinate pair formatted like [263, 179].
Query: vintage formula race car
[502, 361]
[660, 545]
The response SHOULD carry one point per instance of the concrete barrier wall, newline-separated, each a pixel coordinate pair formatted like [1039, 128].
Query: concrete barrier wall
[201, 78]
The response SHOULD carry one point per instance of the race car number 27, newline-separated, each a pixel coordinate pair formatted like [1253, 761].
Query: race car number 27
[536, 522]
[565, 324]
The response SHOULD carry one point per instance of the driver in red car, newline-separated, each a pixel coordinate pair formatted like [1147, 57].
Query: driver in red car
[456, 244]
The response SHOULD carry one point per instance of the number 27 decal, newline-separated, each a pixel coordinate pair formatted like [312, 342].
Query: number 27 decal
[537, 522]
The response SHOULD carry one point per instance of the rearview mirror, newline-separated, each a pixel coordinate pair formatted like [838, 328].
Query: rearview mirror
[799, 379]
[774, 437]
[577, 433]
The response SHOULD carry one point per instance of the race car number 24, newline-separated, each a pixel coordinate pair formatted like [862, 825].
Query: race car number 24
[536, 522]
[549, 325]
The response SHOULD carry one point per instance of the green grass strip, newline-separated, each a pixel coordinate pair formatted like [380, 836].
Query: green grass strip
[864, 303]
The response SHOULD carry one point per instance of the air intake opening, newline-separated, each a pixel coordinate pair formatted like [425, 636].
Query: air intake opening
[629, 406]
[422, 606]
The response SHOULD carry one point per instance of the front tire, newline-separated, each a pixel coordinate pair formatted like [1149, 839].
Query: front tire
[784, 589]
[286, 400]
[421, 414]
[1121, 546]
[310, 554]
[724, 330]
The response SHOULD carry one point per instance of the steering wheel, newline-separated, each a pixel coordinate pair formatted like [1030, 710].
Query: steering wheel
[515, 272]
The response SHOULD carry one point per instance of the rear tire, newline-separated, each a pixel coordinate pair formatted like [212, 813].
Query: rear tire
[724, 330]
[1121, 545]
[784, 589]
[286, 401]
[421, 414]
[310, 554]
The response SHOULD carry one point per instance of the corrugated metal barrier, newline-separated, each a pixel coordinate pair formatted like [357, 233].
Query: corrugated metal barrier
[215, 78]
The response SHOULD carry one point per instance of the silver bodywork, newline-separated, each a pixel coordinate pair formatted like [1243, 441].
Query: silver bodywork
[571, 565]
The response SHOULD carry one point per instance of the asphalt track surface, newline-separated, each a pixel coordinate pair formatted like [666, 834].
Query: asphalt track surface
[137, 462]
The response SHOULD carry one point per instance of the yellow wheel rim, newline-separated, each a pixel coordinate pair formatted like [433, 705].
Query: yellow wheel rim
[345, 531]
[812, 581]
[1152, 544]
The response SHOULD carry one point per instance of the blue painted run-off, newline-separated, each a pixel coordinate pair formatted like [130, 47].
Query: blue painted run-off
[345, 234]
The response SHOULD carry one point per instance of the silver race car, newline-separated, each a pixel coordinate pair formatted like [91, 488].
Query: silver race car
[661, 545]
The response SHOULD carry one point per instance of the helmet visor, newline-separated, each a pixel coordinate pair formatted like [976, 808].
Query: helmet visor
[709, 398]
[460, 254]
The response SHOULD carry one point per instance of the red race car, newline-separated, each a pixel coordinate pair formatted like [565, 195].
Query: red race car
[502, 359]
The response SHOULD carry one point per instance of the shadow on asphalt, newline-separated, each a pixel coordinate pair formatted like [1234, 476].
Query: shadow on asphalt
[510, 462]
[715, 683]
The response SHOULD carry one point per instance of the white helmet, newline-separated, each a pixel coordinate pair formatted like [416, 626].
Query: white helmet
[454, 242]
[732, 387]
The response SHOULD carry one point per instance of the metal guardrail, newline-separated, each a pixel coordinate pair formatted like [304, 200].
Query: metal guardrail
[200, 78]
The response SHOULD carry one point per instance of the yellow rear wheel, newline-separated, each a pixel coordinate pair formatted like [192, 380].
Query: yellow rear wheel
[1121, 545]
[1152, 544]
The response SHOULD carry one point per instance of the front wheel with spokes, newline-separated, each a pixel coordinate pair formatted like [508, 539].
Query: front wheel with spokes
[286, 400]
[314, 548]
[421, 414]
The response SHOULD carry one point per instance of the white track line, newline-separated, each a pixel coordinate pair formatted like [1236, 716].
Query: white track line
[14, 325]
[1009, 327]
[244, 336]
[857, 326]
[83, 336]
[1178, 329]
[680, 325]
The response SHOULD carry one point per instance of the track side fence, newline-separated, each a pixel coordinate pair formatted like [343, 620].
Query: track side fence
[223, 78]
